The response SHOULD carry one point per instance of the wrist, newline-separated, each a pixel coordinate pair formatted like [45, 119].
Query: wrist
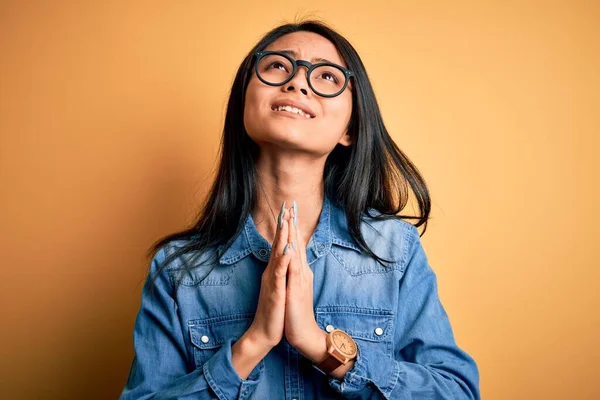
[254, 344]
[314, 347]
[246, 353]
[342, 370]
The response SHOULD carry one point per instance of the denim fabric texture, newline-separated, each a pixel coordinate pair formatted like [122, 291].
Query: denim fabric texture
[406, 348]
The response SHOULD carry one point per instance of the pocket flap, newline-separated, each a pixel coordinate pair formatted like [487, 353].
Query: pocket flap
[213, 332]
[362, 323]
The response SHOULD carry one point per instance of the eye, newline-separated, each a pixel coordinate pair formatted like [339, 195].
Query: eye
[330, 77]
[277, 65]
[326, 75]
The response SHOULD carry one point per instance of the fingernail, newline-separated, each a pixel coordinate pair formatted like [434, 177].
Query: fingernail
[285, 249]
[281, 215]
[294, 245]
[295, 213]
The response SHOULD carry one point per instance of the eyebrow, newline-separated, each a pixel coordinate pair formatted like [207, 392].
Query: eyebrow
[295, 55]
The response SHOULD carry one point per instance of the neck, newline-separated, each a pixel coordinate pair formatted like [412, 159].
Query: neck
[280, 179]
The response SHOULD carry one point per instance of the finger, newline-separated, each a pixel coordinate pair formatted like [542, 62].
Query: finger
[295, 265]
[301, 246]
[281, 235]
[293, 221]
[280, 252]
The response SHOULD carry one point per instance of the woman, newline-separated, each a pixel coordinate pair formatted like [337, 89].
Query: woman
[332, 298]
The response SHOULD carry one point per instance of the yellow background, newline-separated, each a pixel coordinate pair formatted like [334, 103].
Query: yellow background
[110, 118]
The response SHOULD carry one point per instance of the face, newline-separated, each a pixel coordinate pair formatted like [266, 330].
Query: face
[267, 125]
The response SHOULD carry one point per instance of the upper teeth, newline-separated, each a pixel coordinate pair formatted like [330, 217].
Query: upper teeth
[292, 109]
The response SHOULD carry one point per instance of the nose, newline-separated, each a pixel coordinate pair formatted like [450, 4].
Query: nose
[298, 82]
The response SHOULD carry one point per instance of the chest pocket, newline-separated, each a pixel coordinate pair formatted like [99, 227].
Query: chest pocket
[208, 335]
[372, 329]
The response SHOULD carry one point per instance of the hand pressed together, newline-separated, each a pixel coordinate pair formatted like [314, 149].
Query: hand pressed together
[285, 305]
[301, 329]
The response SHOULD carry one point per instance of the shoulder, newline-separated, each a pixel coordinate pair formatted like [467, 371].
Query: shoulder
[180, 254]
[388, 224]
[393, 236]
[388, 236]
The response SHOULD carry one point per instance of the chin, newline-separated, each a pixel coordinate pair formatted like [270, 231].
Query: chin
[283, 130]
[274, 136]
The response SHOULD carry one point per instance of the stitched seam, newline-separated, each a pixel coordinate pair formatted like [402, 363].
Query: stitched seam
[212, 383]
[395, 377]
[354, 310]
[377, 270]
[221, 318]
[344, 243]
[410, 235]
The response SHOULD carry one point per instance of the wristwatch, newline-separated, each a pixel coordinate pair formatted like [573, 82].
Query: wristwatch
[341, 348]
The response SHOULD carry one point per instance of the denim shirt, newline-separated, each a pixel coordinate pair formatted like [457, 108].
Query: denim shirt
[406, 349]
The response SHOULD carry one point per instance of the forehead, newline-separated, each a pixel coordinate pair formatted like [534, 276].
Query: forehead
[308, 46]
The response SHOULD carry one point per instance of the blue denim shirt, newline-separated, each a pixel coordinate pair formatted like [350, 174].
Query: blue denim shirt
[406, 349]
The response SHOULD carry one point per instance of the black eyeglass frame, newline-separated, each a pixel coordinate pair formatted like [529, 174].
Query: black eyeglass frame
[310, 67]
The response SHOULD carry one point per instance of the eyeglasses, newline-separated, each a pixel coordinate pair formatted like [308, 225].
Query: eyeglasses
[325, 79]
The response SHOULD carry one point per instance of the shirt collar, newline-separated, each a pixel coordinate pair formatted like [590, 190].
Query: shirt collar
[331, 229]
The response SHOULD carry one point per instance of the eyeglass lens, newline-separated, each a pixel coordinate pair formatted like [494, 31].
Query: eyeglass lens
[326, 79]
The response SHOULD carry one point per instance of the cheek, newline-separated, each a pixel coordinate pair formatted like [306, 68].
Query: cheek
[251, 96]
[252, 105]
[338, 113]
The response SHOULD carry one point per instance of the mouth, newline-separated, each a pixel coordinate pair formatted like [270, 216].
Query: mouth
[293, 108]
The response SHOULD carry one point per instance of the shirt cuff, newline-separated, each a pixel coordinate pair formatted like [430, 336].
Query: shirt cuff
[366, 375]
[223, 378]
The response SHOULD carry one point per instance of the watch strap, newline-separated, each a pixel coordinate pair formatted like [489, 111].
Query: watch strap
[329, 364]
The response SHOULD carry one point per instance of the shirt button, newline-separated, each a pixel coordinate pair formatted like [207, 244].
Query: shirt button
[329, 328]
[321, 246]
[204, 339]
[263, 252]
[378, 331]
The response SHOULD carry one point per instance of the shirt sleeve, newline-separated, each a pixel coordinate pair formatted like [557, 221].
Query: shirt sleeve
[427, 362]
[161, 368]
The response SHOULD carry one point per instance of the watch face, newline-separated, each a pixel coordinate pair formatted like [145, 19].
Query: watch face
[344, 343]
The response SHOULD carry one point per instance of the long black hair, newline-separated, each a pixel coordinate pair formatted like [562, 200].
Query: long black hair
[370, 173]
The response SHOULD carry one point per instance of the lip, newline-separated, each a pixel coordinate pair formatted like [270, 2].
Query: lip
[288, 102]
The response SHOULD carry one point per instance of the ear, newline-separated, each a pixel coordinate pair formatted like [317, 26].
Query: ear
[346, 139]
